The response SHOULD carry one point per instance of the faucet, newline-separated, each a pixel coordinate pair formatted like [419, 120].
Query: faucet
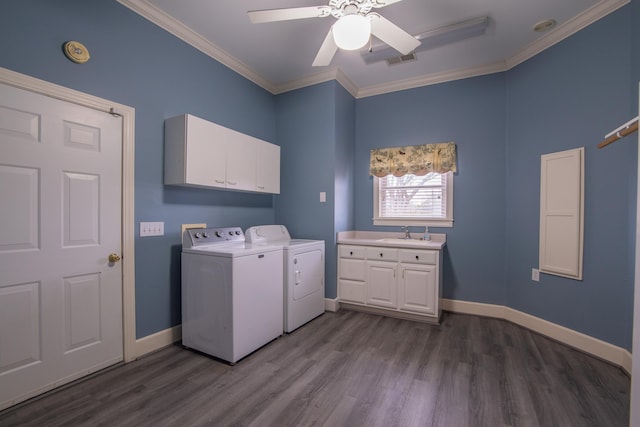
[407, 234]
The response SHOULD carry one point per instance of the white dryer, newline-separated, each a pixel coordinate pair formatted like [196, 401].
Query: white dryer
[232, 293]
[303, 271]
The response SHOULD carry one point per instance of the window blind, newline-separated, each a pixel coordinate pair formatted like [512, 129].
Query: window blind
[412, 196]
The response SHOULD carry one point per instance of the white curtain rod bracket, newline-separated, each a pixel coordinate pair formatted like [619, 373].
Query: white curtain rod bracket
[620, 132]
[617, 130]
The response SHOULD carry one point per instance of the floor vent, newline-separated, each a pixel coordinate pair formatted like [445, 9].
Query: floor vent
[401, 59]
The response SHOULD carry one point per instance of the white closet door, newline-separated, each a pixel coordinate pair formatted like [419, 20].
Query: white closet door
[561, 213]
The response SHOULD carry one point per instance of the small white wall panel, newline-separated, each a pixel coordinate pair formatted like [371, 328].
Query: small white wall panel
[561, 213]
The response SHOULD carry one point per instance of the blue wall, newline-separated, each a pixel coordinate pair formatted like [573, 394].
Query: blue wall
[471, 113]
[566, 97]
[315, 129]
[136, 63]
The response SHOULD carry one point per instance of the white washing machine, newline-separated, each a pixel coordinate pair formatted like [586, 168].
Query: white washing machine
[232, 296]
[303, 273]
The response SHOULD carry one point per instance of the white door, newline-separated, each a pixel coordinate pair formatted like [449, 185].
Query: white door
[60, 205]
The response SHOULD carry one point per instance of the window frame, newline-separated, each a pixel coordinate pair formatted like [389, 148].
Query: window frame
[429, 222]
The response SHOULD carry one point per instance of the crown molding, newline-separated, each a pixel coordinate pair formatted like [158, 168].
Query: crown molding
[569, 28]
[147, 10]
[310, 80]
[347, 83]
[431, 79]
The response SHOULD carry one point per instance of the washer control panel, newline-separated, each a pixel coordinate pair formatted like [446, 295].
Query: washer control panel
[210, 236]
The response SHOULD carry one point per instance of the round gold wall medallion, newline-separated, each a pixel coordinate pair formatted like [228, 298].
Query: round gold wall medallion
[76, 52]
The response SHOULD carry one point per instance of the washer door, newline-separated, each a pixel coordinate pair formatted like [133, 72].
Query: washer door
[306, 273]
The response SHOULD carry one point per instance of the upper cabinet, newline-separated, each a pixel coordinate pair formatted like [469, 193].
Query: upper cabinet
[268, 167]
[203, 154]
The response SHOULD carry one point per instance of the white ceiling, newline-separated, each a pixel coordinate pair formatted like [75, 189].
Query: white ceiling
[278, 55]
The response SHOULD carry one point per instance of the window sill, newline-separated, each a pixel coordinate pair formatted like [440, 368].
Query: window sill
[448, 223]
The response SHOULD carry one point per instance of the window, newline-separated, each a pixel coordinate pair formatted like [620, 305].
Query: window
[414, 200]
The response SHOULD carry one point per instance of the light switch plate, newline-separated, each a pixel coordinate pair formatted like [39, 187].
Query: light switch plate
[323, 197]
[151, 229]
[535, 274]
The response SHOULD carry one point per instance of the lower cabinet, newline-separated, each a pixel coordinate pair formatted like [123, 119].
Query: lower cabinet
[381, 283]
[403, 282]
[418, 288]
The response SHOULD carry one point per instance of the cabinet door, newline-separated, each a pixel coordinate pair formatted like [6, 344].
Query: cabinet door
[352, 269]
[267, 167]
[351, 291]
[417, 288]
[241, 161]
[381, 283]
[204, 154]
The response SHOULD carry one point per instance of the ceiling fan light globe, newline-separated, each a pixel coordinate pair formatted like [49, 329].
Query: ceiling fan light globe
[351, 32]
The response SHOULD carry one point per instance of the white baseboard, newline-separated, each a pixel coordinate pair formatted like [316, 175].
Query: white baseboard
[164, 338]
[156, 341]
[598, 348]
[332, 305]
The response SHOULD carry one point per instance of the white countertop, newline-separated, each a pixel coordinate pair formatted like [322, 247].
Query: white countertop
[391, 239]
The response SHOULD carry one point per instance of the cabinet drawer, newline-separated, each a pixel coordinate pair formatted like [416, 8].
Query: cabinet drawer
[417, 256]
[351, 269]
[351, 252]
[382, 254]
[351, 291]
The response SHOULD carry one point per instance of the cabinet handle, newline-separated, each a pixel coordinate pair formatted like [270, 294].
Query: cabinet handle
[219, 181]
[232, 183]
[380, 254]
[351, 253]
[261, 187]
[417, 257]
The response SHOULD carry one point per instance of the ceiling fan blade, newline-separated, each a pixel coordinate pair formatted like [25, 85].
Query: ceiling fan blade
[326, 52]
[392, 35]
[272, 15]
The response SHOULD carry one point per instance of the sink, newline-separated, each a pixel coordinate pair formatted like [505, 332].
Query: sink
[401, 241]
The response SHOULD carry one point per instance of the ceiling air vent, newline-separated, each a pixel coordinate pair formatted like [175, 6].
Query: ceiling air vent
[431, 39]
[400, 59]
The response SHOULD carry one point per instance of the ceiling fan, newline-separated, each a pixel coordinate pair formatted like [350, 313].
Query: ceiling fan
[353, 29]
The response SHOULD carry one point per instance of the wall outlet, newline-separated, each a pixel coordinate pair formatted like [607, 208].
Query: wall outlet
[535, 274]
[151, 229]
[323, 197]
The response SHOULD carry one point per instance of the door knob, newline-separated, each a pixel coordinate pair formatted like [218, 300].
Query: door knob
[114, 257]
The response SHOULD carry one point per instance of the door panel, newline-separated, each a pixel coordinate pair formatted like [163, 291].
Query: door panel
[19, 210]
[19, 341]
[60, 298]
[307, 270]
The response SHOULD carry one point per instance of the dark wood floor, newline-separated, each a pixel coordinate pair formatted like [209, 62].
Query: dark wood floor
[354, 369]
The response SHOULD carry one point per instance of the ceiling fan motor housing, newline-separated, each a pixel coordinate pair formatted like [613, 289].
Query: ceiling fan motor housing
[339, 8]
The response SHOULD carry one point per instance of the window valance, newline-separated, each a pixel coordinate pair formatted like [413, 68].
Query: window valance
[414, 159]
